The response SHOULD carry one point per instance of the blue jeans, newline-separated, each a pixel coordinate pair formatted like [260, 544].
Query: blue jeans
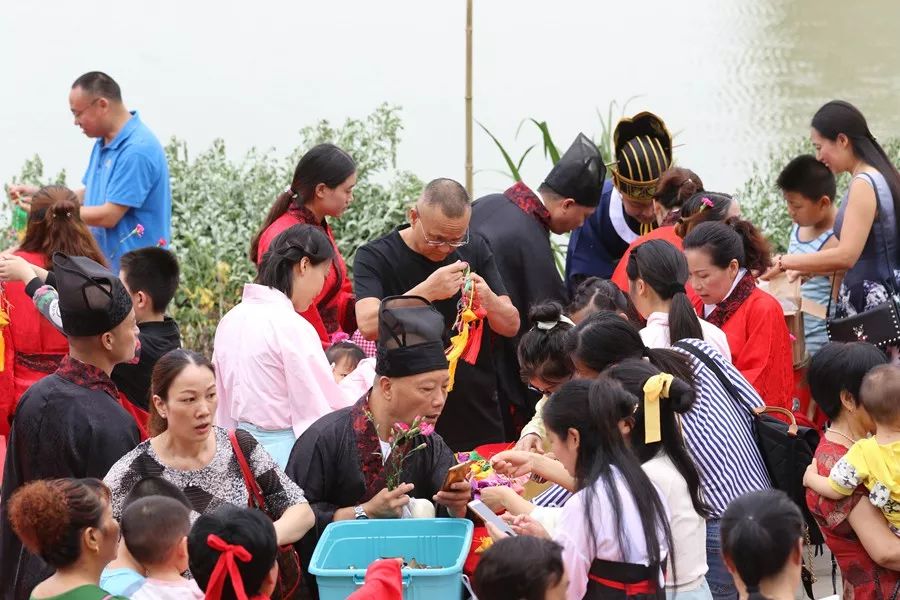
[721, 584]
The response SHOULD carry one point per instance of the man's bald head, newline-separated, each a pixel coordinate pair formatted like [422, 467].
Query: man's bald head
[448, 195]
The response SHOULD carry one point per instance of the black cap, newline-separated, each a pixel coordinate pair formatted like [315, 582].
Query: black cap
[91, 299]
[579, 174]
[410, 337]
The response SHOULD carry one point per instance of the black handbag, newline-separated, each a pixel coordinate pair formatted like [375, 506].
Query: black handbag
[879, 325]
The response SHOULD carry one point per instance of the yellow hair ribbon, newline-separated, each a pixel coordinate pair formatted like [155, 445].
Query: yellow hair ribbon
[655, 388]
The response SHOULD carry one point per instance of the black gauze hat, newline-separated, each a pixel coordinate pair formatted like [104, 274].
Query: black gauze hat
[91, 299]
[579, 174]
[410, 337]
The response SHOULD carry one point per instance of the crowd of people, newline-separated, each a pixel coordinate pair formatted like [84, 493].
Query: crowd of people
[136, 468]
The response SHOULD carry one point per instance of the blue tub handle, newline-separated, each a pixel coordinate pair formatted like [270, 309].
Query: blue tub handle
[359, 579]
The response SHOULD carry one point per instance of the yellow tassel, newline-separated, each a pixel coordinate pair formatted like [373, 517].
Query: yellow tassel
[458, 344]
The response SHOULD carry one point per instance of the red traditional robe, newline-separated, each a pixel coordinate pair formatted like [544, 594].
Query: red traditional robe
[753, 322]
[334, 307]
[33, 346]
[666, 232]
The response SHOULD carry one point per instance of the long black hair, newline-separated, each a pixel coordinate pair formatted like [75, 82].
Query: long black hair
[287, 249]
[664, 268]
[633, 374]
[594, 409]
[325, 163]
[604, 338]
[760, 530]
[542, 349]
[735, 239]
[837, 117]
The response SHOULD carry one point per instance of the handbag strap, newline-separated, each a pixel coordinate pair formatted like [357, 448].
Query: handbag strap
[717, 371]
[253, 491]
[887, 255]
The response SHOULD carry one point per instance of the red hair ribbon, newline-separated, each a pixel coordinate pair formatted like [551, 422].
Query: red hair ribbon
[226, 566]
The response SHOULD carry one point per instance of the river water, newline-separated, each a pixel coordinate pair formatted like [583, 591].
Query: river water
[732, 79]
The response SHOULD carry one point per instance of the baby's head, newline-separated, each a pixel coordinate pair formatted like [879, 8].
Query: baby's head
[344, 356]
[880, 395]
[155, 530]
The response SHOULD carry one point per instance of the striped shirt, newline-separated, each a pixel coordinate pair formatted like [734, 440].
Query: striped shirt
[719, 433]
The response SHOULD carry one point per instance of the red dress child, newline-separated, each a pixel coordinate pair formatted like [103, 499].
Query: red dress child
[334, 308]
[753, 322]
[33, 348]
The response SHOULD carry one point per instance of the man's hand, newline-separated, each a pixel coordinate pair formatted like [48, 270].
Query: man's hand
[388, 504]
[456, 498]
[530, 442]
[21, 194]
[16, 268]
[443, 283]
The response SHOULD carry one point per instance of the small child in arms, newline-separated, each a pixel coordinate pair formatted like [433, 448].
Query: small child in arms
[344, 358]
[872, 462]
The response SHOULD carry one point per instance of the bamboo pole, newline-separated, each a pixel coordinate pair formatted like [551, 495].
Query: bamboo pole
[469, 166]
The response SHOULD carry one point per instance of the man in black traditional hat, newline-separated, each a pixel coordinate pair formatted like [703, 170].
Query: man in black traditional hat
[70, 424]
[643, 147]
[431, 257]
[342, 461]
[517, 225]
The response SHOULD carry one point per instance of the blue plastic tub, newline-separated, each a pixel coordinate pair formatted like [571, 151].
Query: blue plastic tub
[434, 542]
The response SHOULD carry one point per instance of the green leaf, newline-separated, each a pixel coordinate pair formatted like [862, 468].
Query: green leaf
[550, 148]
[513, 169]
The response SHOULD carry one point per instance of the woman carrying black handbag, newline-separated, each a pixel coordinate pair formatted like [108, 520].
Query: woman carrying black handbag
[866, 229]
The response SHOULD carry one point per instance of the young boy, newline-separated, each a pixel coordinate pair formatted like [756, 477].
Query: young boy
[155, 531]
[808, 187]
[151, 277]
[124, 575]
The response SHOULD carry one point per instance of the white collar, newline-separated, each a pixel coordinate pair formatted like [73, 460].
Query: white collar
[617, 217]
[708, 308]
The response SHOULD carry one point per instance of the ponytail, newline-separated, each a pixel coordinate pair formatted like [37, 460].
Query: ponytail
[664, 268]
[735, 239]
[55, 225]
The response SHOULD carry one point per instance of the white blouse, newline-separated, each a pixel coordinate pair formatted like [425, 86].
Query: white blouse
[656, 334]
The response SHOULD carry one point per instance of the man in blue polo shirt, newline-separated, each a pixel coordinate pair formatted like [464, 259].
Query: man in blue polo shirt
[126, 198]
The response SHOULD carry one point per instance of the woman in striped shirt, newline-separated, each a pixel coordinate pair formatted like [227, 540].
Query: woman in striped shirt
[718, 431]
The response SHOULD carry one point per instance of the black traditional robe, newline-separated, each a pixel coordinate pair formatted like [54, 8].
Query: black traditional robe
[68, 424]
[516, 225]
[337, 463]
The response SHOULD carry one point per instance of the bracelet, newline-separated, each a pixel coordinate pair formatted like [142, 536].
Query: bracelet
[779, 262]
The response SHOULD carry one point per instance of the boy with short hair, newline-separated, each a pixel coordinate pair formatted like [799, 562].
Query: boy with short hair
[522, 568]
[155, 531]
[809, 188]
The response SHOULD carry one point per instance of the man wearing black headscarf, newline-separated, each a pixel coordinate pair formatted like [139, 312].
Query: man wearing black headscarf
[70, 424]
[341, 461]
[517, 226]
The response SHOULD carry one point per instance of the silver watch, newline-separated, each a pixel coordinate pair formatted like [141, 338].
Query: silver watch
[360, 513]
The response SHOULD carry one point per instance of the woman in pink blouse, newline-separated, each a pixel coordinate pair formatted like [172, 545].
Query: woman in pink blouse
[272, 377]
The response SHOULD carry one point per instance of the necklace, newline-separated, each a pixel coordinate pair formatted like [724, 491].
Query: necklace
[846, 437]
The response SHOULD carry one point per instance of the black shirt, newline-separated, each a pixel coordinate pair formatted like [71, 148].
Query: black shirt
[388, 267]
[133, 380]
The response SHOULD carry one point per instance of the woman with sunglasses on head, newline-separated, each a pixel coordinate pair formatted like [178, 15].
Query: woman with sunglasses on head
[272, 375]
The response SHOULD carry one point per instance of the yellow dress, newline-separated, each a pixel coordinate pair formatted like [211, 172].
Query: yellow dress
[877, 467]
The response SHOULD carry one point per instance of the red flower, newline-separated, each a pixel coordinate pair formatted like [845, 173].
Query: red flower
[161, 243]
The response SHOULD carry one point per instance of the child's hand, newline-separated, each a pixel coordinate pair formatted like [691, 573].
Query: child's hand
[811, 471]
[16, 268]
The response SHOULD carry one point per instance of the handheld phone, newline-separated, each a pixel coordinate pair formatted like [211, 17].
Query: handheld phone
[487, 515]
[455, 474]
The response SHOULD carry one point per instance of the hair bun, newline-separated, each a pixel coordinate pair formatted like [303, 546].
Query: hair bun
[64, 209]
[547, 311]
[39, 516]
[681, 396]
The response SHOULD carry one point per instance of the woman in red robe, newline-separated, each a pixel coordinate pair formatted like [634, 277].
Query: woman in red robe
[33, 347]
[723, 260]
[322, 187]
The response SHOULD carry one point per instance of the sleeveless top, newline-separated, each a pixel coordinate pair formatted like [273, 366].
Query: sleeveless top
[816, 289]
[863, 286]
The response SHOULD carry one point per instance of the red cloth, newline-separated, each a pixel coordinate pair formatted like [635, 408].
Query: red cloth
[40, 347]
[140, 416]
[761, 346]
[857, 568]
[383, 582]
[334, 308]
[666, 232]
[522, 196]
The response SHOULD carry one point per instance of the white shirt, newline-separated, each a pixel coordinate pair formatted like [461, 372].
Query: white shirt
[656, 334]
[572, 534]
[708, 308]
[155, 589]
[688, 528]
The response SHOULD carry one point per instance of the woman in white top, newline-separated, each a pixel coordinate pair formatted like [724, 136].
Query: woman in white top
[657, 272]
[657, 441]
[615, 530]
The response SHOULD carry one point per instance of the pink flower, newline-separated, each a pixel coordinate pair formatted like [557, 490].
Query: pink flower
[161, 243]
[426, 429]
[401, 426]
[139, 230]
[707, 202]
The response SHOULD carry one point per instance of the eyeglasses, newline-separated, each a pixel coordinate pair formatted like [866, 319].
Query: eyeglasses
[77, 114]
[438, 243]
